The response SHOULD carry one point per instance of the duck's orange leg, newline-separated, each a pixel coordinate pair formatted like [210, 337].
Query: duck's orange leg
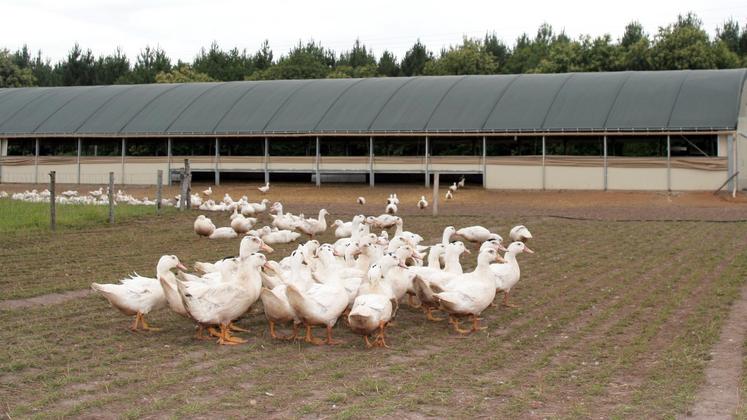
[429, 315]
[411, 302]
[145, 325]
[234, 327]
[505, 300]
[200, 333]
[330, 341]
[381, 338]
[460, 330]
[310, 338]
[135, 322]
[476, 324]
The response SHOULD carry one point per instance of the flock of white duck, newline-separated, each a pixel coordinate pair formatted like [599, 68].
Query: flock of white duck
[362, 277]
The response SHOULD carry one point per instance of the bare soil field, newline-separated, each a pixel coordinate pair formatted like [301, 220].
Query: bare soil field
[617, 317]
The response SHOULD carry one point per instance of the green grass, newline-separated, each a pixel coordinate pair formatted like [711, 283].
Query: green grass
[18, 215]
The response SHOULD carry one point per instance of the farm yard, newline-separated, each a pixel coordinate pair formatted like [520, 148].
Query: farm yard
[620, 307]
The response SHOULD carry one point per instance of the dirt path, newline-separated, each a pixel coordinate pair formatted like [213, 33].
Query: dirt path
[719, 396]
[43, 300]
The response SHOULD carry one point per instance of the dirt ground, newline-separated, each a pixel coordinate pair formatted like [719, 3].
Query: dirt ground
[616, 319]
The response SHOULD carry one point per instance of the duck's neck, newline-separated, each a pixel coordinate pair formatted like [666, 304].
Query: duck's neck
[446, 237]
[452, 264]
[433, 259]
[398, 231]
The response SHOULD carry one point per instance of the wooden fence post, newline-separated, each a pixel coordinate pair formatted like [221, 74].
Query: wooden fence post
[52, 202]
[435, 194]
[159, 190]
[111, 197]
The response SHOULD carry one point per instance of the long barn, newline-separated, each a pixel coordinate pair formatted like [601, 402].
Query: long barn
[665, 130]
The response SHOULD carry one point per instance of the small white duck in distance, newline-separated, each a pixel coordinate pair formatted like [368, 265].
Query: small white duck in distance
[313, 227]
[449, 195]
[265, 188]
[391, 208]
[460, 184]
[140, 295]
[223, 233]
[520, 233]
[204, 226]
[422, 204]
[361, 200]
[478, 234]
[208, 192]
[453, 187]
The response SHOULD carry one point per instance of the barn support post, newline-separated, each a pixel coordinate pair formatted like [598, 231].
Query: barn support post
[168, 161]
[124, 146]
[217, 161]
[370, 162]
[730, 161]
[318, 178]
[52, 202]
[80, 146]
[267, 160]
[543, 162]
[159, 190]
[427, 163]
[434, 199]
[484, 161]
[669, 163]
[605, 162]
[111, 197]
[36, 162]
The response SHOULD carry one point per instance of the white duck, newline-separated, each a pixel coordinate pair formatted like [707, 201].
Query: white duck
[280, 236]
[449, 195]
[520, 233]
[249, 244]
[208, 192]
[343, 229]
[478, 234]
[265, 188]
[460, 184]
[204, 226]
[391, 208]
[433, 275]
[508, 274]
[242, 224]
[313, 227]
[373, 311]
[361, 200]
[223, 233]
[219, 303]
[468, 294]
[321, 304]
[422, 204]
[140, 295]
[453, 187]
[383, 221]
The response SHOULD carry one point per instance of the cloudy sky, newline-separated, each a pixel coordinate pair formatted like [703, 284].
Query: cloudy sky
[181, 27]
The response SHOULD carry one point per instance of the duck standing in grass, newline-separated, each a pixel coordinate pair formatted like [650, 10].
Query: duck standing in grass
[140, 295]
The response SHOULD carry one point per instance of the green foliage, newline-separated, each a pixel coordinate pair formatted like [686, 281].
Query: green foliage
[469, 58]
[11, 75]
[183, 73]
[683, 44]
[415, 60]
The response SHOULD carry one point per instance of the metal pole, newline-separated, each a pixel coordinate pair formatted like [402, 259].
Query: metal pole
[484, 161]
[543, 163]
[124, 145]
[730, 160]
[318, 179]
[111, 197]
[168, 161]
[52, 202]
[188, 183]
[267, 160]
[80, 146]
[435, 194]
[217, 161]
[669, 164]
[370, 162]
[427, 163]
[36, 163]
[605, 163]
[159, 190]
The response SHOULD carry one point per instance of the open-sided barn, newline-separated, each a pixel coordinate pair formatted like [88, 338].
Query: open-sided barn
[665, 130]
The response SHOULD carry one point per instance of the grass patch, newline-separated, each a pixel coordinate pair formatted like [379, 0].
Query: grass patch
[18, 215]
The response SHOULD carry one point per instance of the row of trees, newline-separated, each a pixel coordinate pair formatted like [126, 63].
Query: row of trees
[683, 44]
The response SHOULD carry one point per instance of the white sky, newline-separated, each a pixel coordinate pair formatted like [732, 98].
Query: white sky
[181, 27]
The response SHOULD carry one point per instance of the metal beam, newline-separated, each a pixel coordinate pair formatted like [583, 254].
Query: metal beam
[427, 163]
[267, 160]
[80, 146]
[370, 161]
[484, 161]
[36, 162]
[730, 161]
[669, 164]
[217, 161]
[124, 146]
[543, 162]
[318, 179]
[168, 161]
[605, 163]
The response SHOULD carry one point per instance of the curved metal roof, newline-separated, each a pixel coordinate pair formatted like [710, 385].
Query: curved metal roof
[593, 102]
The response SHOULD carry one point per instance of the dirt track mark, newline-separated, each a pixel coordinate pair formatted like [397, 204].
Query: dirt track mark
[43, 300]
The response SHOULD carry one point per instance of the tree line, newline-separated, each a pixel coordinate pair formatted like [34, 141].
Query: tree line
[683, 44]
